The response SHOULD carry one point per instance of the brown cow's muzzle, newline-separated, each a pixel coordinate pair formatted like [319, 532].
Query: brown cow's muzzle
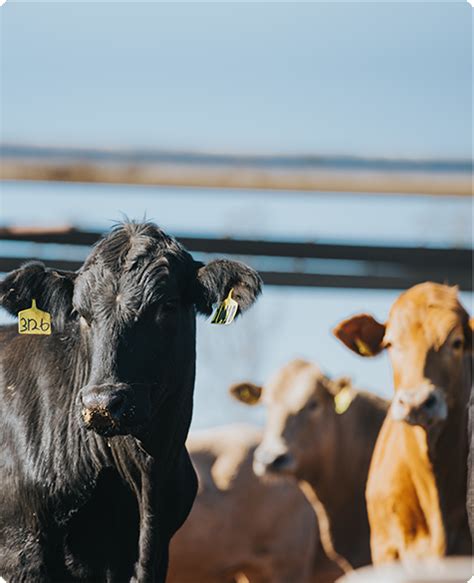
[273, 461]
[425, 406]
[106, 409]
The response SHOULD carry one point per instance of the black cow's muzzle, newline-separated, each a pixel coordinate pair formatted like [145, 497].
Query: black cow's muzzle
[108, 409]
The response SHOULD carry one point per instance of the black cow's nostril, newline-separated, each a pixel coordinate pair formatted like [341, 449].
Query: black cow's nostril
[116, 405]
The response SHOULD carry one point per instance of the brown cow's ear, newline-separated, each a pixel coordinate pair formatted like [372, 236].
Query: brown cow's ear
[247, 393]
[362, 334]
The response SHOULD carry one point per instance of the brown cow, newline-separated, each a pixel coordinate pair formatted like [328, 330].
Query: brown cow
[416, 491]
[241, 524]
[322, 432]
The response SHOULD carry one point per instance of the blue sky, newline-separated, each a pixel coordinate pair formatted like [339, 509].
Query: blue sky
[385, 79]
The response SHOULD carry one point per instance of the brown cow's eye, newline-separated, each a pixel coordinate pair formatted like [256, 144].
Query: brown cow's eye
[313, 405]
[457, 344]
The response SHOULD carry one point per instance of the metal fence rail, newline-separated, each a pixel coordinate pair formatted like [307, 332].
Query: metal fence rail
[377, 267]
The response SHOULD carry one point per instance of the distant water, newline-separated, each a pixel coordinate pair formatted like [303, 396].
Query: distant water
[286, 322]
[322, 162]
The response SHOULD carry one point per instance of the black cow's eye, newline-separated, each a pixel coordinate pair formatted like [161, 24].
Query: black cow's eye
[170, 306]
[83, 316]
[87, 319]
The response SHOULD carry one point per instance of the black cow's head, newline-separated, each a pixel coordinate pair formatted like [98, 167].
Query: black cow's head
[132, 304]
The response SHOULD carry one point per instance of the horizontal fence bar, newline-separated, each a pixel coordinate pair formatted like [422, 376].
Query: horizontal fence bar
[302, 279]
[382, 267]
[418, 257]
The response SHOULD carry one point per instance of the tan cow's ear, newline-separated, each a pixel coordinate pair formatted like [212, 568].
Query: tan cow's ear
[341, 383]
[247, 393]
[362, 334]
[335, 386]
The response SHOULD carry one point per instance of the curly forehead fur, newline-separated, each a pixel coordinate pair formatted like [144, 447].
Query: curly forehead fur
[130, 243]
[140, 258]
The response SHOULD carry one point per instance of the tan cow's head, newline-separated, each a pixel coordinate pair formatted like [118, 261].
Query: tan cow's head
[429, 339]
[303, 407]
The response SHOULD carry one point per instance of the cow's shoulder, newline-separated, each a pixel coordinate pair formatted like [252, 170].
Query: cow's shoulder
[367, 413]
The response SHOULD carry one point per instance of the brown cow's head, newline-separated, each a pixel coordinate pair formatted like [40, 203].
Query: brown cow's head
[302, 418]
[429, 339]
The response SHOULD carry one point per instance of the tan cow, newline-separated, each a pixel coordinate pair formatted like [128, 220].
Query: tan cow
[416, 492]
[322, 433]
[241, 527]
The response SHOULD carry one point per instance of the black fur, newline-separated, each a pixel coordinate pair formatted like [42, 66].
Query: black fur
[218, 277]
[52, 289]
[81, 502]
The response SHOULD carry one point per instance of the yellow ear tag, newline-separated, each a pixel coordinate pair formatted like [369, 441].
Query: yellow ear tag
[225, 311]
[245, 395]
[343, 400]
[248, 396]
[34, 321]
[363, 348]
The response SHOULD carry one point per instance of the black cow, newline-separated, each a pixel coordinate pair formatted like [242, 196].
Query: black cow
[94, 474]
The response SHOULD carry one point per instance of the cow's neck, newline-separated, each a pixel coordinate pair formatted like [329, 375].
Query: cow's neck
[448, 453]
[339, 487]
[438, 467]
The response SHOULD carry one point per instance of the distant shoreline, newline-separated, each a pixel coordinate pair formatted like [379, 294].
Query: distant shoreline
[301, 173]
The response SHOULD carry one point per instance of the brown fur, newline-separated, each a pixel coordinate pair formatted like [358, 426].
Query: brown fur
[416, 491]
[242, 527]
[328, 453]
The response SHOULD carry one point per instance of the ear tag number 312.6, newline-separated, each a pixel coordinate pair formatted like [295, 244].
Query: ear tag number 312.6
[225, 311]
[34, 321]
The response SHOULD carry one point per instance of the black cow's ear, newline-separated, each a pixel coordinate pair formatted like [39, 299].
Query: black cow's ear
[215, 280]
[52, 289]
